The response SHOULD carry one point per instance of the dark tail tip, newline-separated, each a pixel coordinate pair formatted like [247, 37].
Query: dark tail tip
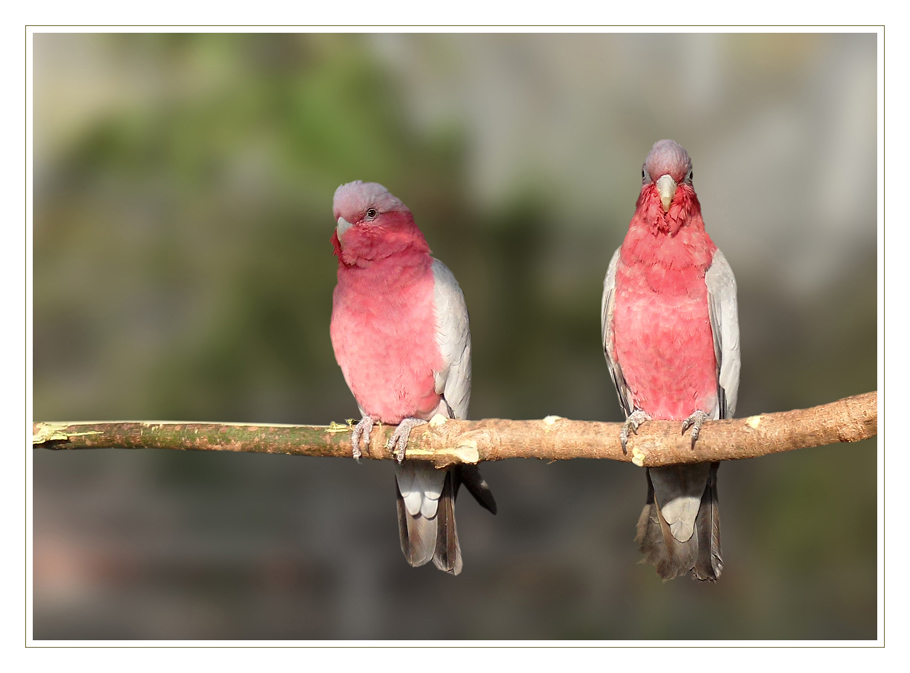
[470, 476]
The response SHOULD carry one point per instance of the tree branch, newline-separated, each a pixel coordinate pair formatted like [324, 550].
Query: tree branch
[448, 442]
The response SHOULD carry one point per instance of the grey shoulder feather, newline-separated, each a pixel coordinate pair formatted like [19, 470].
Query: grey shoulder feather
[453, 334]
[722, 313]
[606, 333]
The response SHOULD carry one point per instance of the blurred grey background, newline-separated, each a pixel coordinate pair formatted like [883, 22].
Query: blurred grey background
[183, 271]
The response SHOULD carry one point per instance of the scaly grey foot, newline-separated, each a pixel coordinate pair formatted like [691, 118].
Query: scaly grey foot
[399, 438]
[694, 421]
[635, 419]
[361, 434]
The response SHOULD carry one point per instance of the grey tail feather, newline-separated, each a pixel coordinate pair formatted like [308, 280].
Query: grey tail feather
[660, 548]
[470, 476]
[672, 558]
[424, 539]
[707, 529]
[417, 534]
[447, 556]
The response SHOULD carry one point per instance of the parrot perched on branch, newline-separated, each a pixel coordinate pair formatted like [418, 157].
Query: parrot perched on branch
[671, 339]
[401, 337]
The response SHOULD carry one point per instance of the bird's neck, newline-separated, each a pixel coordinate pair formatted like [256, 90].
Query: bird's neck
[684, 213]
[673, 240]
[385, 274]
[382, 244]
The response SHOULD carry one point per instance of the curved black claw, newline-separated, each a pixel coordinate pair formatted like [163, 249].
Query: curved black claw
[695, 422]
[399, 439]
[635, 419]
[361, 433]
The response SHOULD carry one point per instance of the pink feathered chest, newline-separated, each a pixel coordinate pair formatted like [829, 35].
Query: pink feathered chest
[383, 331]
[662, 334]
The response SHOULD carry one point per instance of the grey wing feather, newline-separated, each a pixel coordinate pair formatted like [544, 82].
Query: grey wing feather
[453, 334]
[722, 313]
[426, 496]
[606, 333]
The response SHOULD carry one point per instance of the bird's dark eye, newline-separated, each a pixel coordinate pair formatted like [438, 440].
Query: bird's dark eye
[690, 176]
[371, 213]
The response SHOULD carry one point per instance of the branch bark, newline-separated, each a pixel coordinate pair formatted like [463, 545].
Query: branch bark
[448, 442]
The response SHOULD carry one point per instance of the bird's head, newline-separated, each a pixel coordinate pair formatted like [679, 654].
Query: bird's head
[667, 174]
[371, 223]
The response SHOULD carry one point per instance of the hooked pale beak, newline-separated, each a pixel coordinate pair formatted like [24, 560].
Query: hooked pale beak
[666, 187]
[343, 226]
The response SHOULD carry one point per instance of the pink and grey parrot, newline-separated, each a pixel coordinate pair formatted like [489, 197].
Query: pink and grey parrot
[671, 339]
[401, 337]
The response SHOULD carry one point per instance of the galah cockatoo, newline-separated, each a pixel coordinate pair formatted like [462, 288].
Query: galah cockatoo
[671, 338]
[401, 337]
